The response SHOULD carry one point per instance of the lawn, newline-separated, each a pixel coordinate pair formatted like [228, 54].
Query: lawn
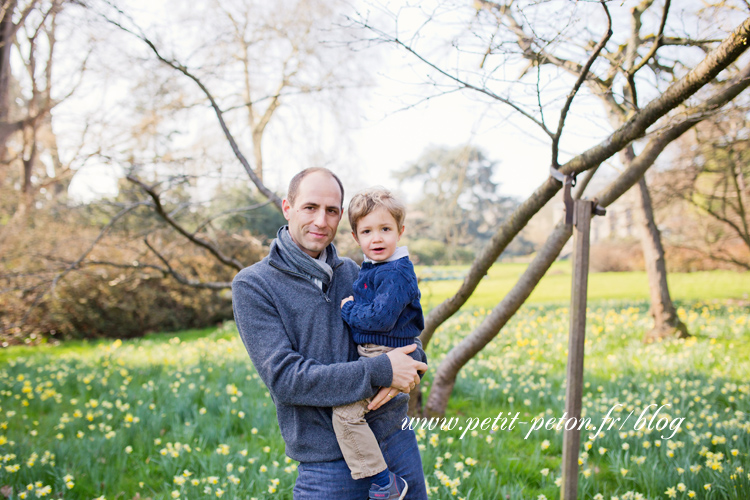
[555, 286]
[186, 416]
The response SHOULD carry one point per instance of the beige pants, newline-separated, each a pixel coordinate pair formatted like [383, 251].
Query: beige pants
[358, 444]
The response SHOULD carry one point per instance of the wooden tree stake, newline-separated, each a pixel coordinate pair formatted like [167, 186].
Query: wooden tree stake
[574, 380]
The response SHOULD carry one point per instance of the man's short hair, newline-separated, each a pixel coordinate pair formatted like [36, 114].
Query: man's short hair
[297, 180]
[367, 201]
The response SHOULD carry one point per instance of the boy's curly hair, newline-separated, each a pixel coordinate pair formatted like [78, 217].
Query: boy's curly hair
[365, 202]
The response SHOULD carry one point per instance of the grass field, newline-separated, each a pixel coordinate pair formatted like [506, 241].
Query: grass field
[185, 416]
[555, 286]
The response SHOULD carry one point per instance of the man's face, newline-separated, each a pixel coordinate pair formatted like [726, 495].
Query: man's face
[316, 213]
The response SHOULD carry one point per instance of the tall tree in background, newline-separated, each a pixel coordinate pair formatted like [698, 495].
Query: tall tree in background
[284, 56]
[28, 144]
[7, 32]
[460, 205]
[709, 186]
[624, 65]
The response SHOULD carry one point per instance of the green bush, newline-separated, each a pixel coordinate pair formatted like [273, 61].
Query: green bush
[430, 252]
[427, 252]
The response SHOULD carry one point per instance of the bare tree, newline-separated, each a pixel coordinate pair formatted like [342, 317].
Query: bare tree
[624, 63]
[708, 185]
[498, 32]
[470, 346]
[280, 54]
[8, 29]
[28, 144]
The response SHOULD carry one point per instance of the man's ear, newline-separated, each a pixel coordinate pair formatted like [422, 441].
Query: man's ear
[286, 208]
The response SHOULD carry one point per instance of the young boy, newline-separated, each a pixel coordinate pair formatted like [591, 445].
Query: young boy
[384, 313]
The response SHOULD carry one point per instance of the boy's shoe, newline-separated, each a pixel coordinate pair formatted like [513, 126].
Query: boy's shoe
[396, 489]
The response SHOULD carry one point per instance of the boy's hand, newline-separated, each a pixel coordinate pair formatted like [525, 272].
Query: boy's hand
[346, 300]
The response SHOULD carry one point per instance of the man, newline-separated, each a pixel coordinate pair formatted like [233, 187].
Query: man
[287, 309]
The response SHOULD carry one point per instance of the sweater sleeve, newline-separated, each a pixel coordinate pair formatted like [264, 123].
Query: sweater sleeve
[394, 290]
[290, 377]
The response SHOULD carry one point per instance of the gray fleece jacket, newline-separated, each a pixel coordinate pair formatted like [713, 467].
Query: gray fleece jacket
[305, 354]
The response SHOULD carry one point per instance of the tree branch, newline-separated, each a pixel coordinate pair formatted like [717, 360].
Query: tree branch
[217, 110]
[228, 261]
[657, 42]
[581, 78]
[214, 285]
[230, 211]
[464, 84]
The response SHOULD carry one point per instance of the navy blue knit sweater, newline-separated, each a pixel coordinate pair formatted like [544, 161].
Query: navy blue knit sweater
[386, 309]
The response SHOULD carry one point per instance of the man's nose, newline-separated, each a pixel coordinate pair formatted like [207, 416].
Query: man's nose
[320, 218]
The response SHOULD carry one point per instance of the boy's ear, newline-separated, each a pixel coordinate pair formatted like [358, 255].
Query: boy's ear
[354, 235]
[401, 233]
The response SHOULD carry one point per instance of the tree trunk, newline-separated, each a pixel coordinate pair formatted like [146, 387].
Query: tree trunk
[416, 402]
[26, 200]
[6, 42]
[666, 322]
[445, 376]
[258, 153]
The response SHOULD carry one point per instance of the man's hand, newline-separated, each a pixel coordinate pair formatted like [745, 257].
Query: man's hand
[405, 369]
[346, 300]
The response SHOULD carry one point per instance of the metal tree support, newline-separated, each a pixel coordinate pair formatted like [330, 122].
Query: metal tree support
[578, 213]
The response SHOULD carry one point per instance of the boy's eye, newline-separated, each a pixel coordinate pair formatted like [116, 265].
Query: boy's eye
[365, 231]
[386, 229]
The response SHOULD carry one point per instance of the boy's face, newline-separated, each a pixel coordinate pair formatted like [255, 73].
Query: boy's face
[377, 234]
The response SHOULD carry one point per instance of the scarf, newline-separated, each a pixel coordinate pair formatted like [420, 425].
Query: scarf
[318, 270]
